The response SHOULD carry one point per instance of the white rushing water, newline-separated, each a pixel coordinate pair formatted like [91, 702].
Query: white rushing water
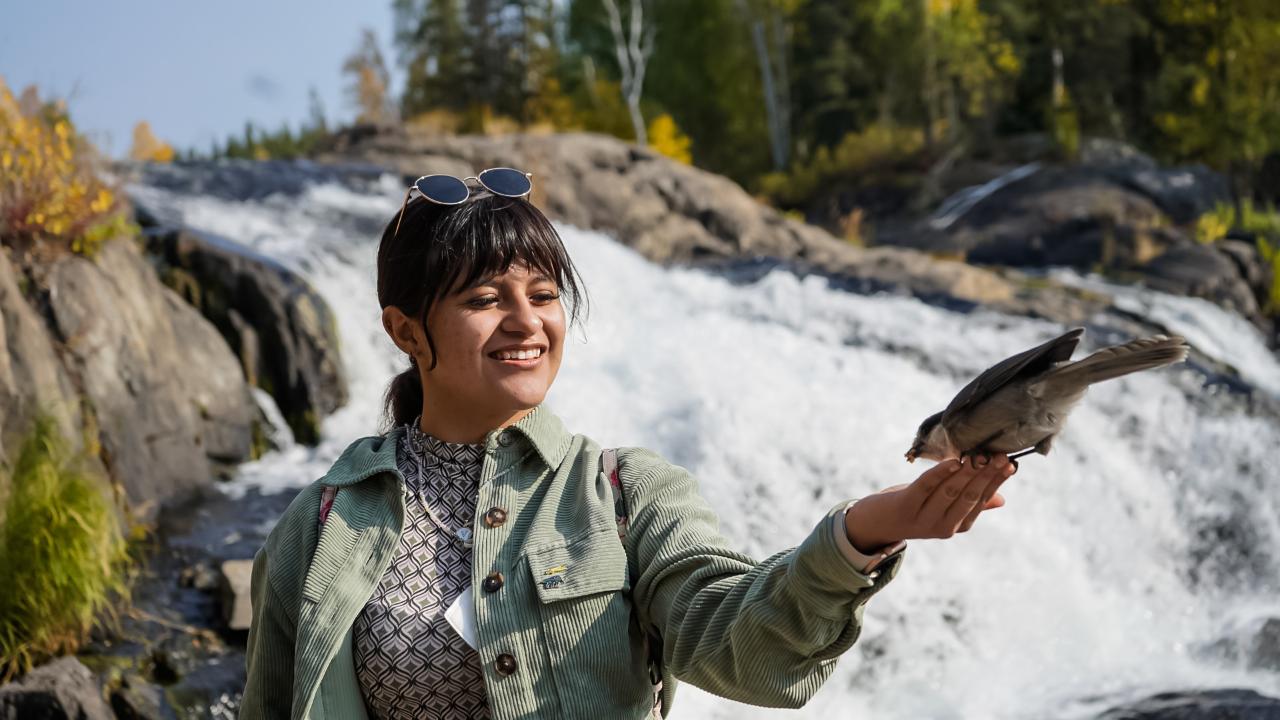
[785, 396]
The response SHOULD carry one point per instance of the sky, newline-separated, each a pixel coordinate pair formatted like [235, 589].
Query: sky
[195, 71]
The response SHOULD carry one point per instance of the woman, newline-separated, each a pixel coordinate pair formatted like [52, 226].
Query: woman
[477, 561]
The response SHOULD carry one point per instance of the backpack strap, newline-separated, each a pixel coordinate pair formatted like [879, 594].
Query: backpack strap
[326, 502]
[609, 464]
[621, 513]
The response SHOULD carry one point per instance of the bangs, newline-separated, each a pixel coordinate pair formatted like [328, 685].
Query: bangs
[442, 249]
[497, 234]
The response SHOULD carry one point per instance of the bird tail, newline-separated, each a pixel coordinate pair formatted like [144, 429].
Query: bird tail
[1112, 362]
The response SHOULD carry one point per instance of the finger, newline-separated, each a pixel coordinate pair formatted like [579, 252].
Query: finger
[931, 479]
[991, 499]
[969, 500]
[943, 495]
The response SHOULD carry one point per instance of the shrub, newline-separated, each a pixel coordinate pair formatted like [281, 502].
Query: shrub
[63, 557]
[857, 155]
[49, 189]
[665, 137]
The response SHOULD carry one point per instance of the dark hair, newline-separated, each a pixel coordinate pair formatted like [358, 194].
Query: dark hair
[441, 248]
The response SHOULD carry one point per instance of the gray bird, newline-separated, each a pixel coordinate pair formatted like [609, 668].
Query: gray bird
[1021, 403]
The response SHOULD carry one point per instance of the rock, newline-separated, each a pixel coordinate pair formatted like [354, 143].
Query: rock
[281, 329]
[674, 213]
[136, 699]
[1203, 271]
[61, 689]
[236, 610]
[201, 577]
[1256, 272]
[31, 377]
[1183, 193]
[1076, 216]
[1264, 652]
[171, 402]
[1225, 704]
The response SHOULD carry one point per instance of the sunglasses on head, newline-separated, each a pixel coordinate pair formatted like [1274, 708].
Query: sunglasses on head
[450, 190]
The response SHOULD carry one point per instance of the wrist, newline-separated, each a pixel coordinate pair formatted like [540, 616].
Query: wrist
[862, 528]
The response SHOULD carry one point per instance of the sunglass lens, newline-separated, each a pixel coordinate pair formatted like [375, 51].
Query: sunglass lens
[444, 189]
[506, 181]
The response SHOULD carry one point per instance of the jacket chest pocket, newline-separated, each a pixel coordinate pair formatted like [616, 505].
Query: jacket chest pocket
[594, 645]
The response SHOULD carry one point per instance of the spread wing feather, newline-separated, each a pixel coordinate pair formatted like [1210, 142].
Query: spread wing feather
[1036, 360]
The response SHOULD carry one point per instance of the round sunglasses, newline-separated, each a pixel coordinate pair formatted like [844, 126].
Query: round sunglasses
[450, 190]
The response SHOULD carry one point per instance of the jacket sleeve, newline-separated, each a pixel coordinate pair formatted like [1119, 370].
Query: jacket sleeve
[275, 590]
[765, 633]
[268, 690]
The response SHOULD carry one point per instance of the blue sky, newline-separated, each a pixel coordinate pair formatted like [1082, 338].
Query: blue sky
[194, 71]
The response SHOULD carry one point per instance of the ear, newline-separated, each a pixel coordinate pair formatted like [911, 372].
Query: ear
[404, 331]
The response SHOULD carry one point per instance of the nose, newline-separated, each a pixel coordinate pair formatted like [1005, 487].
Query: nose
[523, 318]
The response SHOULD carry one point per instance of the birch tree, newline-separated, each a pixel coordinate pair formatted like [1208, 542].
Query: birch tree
[633, 47]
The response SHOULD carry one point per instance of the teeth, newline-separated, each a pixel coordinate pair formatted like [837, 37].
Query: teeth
[518, 354]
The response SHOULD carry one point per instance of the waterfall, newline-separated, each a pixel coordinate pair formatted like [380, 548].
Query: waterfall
[1121, 564]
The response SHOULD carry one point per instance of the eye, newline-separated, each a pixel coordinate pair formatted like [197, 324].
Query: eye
[546, 296]
[483, 302]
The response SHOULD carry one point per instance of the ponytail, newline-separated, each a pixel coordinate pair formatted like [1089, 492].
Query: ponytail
[404, 396]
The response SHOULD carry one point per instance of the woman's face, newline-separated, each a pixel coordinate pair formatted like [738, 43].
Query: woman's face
[519, 309]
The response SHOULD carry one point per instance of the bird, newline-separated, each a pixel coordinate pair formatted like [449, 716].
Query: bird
[1020, 404]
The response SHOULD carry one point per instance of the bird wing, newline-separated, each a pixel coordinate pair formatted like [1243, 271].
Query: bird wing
[1034, 361]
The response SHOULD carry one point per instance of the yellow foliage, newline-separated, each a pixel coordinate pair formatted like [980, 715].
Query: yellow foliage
[436, 122]
[1214, 225]
[49, 189]
[147, 147]
[665, 137]
[857, 154]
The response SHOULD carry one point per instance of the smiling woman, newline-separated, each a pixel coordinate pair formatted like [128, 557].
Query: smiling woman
[477, 559]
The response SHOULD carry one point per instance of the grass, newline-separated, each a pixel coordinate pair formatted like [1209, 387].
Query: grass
[63, 559]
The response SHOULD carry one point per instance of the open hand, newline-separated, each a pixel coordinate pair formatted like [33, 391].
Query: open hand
[946, 499]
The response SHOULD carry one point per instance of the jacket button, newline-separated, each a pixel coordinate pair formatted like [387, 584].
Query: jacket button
[504, 664]
[506, 438]
[495, 516]
[493, 582]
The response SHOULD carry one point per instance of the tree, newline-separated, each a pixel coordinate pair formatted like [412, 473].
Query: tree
[147, 147]
[769, 37]
[633, 47]
[370, 82]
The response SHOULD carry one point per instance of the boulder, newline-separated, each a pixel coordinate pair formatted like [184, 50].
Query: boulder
[280, 328]
[1203, 271]
[61, 690]
[236, 609]
[1075, 216]
[171, 402]
[1183, 193]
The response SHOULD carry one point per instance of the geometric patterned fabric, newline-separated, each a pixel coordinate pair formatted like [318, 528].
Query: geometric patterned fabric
[409, 660]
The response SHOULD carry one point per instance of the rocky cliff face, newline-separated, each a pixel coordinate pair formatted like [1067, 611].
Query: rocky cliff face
[674, 213]
[124, 362]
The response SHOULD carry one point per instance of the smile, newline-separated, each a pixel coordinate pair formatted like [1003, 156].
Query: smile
[518, 358]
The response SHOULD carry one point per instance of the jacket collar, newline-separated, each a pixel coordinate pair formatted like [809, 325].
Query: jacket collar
[372, 455]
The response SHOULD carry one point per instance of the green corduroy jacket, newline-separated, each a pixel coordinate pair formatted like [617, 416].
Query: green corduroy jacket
[767, 633]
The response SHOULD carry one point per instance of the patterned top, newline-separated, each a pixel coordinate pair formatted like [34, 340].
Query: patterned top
[409, 660]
